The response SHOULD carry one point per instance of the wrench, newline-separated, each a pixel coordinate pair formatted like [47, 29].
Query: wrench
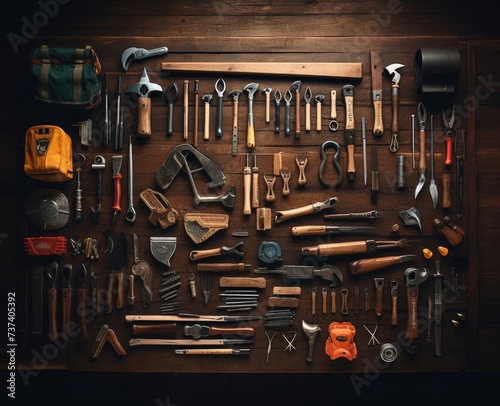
[218, 117]
[277, 118]
[288, 98]
[414, 277]
[98, 165]
[296, 86]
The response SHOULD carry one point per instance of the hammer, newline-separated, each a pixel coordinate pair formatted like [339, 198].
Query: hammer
[392, 70]
[144, 88]
[251, 88]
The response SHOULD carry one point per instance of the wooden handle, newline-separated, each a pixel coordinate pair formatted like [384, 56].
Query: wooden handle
[445, 180]
[206, 124]
[333, 107]
[199, 254]
[395, 108]
[52, 304]
[449, 148]
[235, 116]
[337, 248]
[378, 125]
[241, 282]
[313, 302]
[131, 290]
[247, 190]
[301, 164]
[81, 311]
[120, 297]
[351, 169]
[157, 328]
[221, 267]
[394, 311]
[250, 136]
[334, 300]
[268, 107]
[412, 303]
[144, 117]
[186, 108]
[451, 236]
[308, 116]
[287, 290]
[308, 230]
[378, 301]
[118, 192]
[349, 112]
[421, 162]
[276, 301]
[255, 188]
[318, 116]
[371, 264]
[67, 296]
[237, 331]
[324, 299]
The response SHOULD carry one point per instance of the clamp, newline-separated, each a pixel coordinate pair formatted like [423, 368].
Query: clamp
[106, 334]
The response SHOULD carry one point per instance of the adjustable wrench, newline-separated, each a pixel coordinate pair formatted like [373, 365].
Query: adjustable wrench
[414, 277]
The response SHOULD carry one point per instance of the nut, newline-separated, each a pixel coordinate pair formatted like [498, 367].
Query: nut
[395, 228]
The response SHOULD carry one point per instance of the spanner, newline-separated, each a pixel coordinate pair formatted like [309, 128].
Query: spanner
[218, 117]
[288, 98]
[414, 277]
[277, 118]
[98, 165]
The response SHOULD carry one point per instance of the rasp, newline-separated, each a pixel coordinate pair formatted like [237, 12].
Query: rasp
[376, 71]
[438, 306]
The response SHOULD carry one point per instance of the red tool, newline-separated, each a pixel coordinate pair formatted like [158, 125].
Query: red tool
[117, 178]
[449, 134]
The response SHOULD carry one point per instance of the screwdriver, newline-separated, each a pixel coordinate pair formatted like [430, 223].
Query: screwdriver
[247, 178]
[255, 183]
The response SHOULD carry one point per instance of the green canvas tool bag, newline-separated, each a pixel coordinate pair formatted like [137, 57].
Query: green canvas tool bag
[67, 76]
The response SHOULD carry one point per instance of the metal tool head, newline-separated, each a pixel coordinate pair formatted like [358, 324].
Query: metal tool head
[196, 330]
[296, 86]
[415, 276]
[133, 53]
[235, 94]
[163, 248]
[449, 117]
[144, 88]
[171, 93]
[277, 95]
[411, 217]
[319, 98]
[219, 81]
[311, 330]
[116, 164]
[207, 98]
[52, 272]
[308, 95]
[251, 88]
[236, 249]
[392, 70]
[422, 115]
[267, 90]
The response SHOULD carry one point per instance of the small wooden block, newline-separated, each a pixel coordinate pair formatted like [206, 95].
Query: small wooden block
[283, 302]
[286, 290]
[263, 218]
[242, 282]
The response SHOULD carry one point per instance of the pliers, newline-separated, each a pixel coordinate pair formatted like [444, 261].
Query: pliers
[236, 249]
[67, 297]
[171, 95]
[330, 144]
[449, 134]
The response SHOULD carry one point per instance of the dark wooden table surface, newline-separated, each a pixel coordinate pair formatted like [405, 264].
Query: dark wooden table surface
[281, 32]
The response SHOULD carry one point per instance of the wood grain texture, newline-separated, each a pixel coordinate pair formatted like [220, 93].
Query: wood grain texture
[282, 31]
